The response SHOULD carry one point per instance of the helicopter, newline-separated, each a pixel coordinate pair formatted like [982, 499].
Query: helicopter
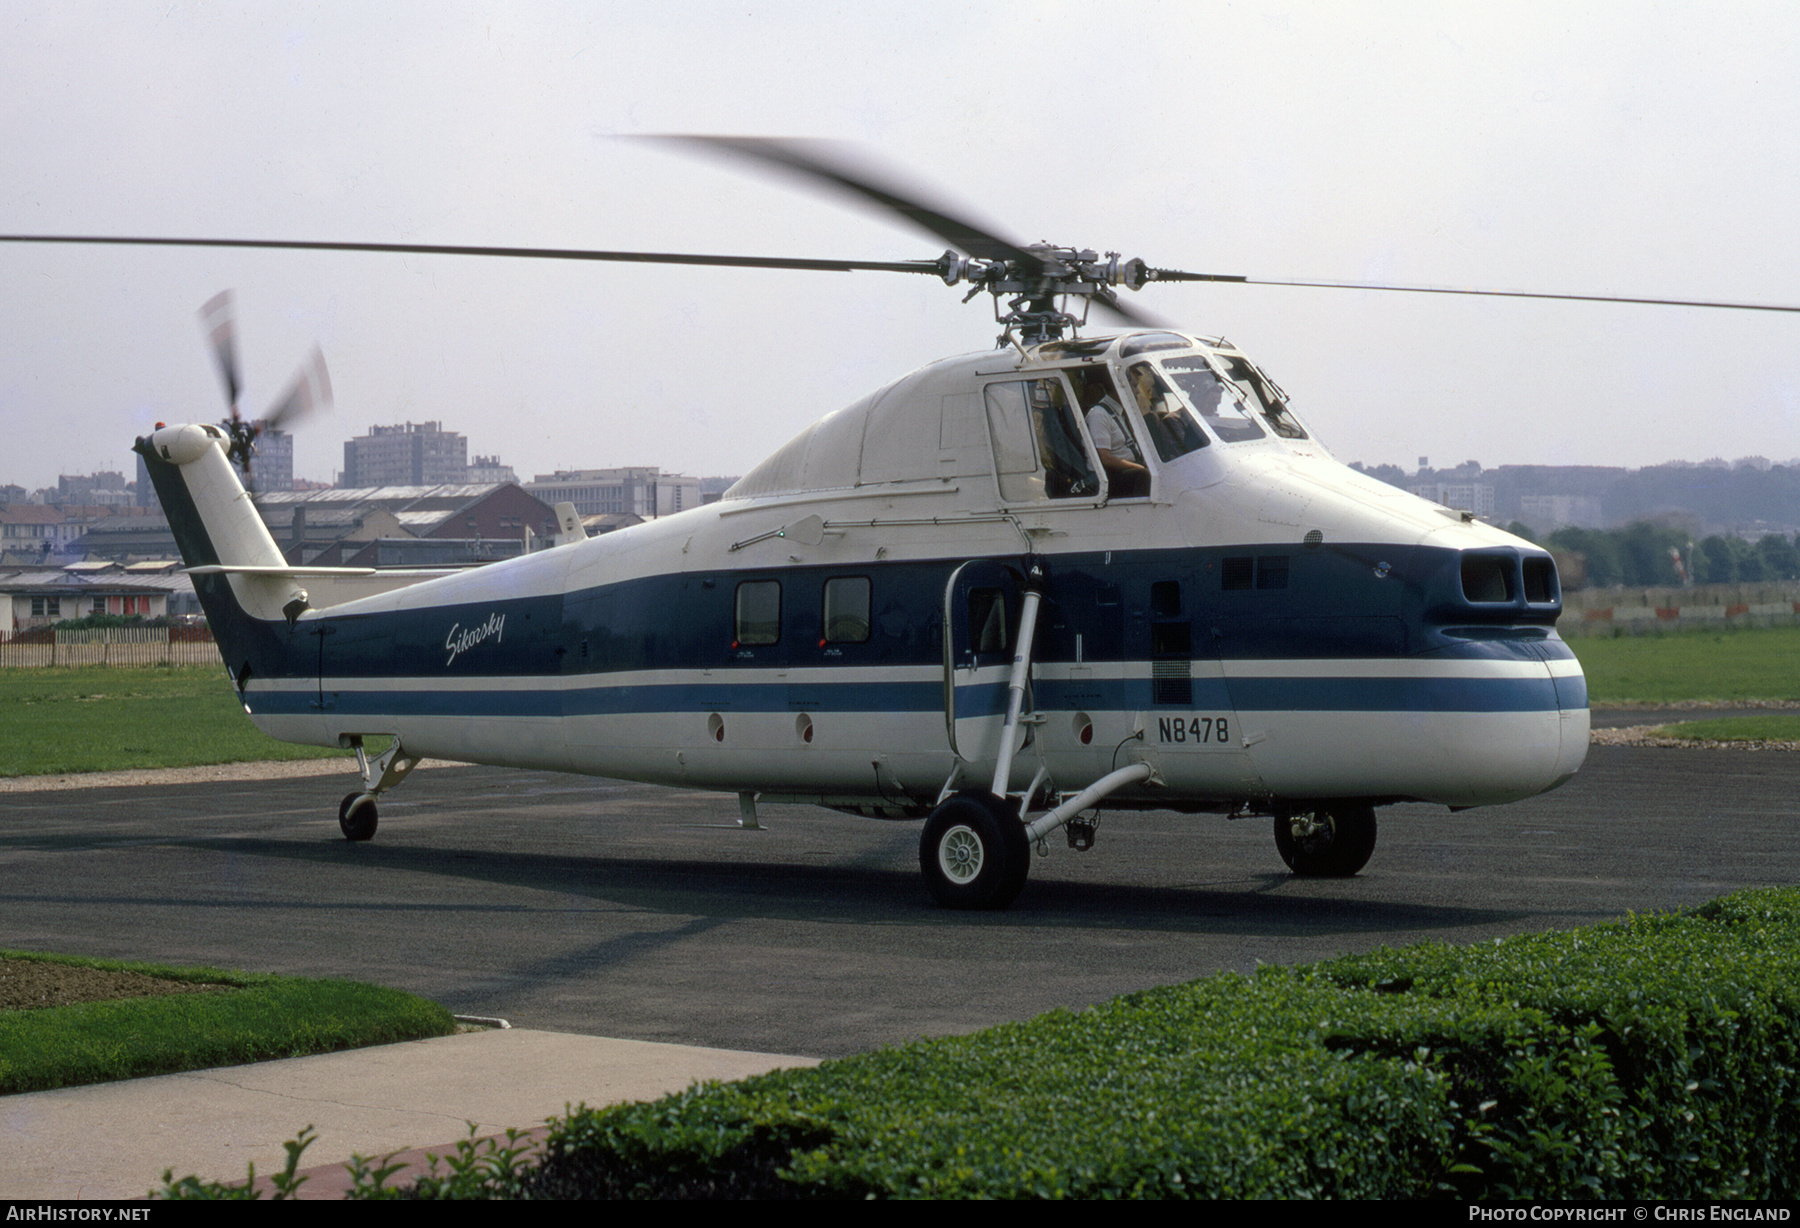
[1079, 571]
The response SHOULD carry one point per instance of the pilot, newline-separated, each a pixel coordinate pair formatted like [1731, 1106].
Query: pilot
[1126, 476]
[1152, 398]
[1172, 431]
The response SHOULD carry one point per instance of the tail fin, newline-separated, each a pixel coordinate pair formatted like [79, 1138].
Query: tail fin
[215, 523]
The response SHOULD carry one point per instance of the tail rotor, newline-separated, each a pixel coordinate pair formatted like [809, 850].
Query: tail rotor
[309, 391]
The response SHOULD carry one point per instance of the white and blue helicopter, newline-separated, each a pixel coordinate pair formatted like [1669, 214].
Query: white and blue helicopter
[1006, 590]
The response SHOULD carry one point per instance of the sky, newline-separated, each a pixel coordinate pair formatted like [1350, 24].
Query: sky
[1637, 149]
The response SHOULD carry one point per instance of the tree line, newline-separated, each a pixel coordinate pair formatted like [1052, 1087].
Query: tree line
[1644, 554]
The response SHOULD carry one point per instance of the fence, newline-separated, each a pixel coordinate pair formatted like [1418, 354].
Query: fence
[1640, 611]
[111, 646]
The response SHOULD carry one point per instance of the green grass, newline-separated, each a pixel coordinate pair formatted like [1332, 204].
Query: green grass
[266, 1017]
[1737, 729]
[99, 719]
[1756, 663]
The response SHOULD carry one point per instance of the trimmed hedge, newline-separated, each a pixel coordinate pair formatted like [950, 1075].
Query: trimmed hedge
[1654, 1057]
[1651, 1058]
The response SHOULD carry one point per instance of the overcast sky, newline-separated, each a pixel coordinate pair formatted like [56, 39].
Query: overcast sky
[1634, 148]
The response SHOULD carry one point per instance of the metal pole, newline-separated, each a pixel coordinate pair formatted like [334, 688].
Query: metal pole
[1015, 691]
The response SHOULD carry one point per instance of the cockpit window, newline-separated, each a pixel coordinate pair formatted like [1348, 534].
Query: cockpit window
[1143, 343]
[1109, 428]
[1172, 430]
[1259, 393]
[1218, 406]
[1077, 347]
[1039, 452]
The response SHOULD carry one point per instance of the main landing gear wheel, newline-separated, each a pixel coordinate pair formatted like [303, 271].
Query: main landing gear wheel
[974, 853]
[1330, 842]
[357, 816]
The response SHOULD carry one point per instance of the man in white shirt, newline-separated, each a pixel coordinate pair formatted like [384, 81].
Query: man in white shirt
[1126, 476]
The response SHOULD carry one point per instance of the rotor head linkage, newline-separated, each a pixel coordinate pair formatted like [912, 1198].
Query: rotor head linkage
[1048, 273]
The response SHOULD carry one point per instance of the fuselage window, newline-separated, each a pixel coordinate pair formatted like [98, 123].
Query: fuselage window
[1171, 428]
[988, 631]
[758, 613]
[1221, 409]
[846, 614]
[1038, 448]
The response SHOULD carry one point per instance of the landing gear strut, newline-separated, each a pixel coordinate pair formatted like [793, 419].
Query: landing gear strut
[1333, 841]
[357, 814]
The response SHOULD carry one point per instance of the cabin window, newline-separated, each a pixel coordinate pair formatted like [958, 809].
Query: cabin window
[1039, 450]
[1219, 407]
[1172, 430]
[988, 631]
[758, 613]
[846, 613]
[1272, 571]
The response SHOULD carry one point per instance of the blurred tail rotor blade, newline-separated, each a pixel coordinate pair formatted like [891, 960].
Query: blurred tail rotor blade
[217, 317]
[311, 390]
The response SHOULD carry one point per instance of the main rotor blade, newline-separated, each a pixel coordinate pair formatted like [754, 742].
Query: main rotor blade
[1137, 317]
[527, 253]
[311, 390]
[1179, 275]
[216, 318]
[837, 166]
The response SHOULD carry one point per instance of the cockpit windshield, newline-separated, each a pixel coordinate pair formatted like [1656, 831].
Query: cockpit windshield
[1259, 393]
[1222, 409]
[1172, 429]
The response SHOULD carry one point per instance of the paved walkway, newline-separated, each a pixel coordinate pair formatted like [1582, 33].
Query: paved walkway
[113, 1140]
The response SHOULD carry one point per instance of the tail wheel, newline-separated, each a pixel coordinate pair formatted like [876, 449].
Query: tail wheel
[357, 816]
[974, 853]
[1330, 842]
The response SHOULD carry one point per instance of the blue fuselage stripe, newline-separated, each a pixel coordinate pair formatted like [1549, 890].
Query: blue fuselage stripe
[1247, 694]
